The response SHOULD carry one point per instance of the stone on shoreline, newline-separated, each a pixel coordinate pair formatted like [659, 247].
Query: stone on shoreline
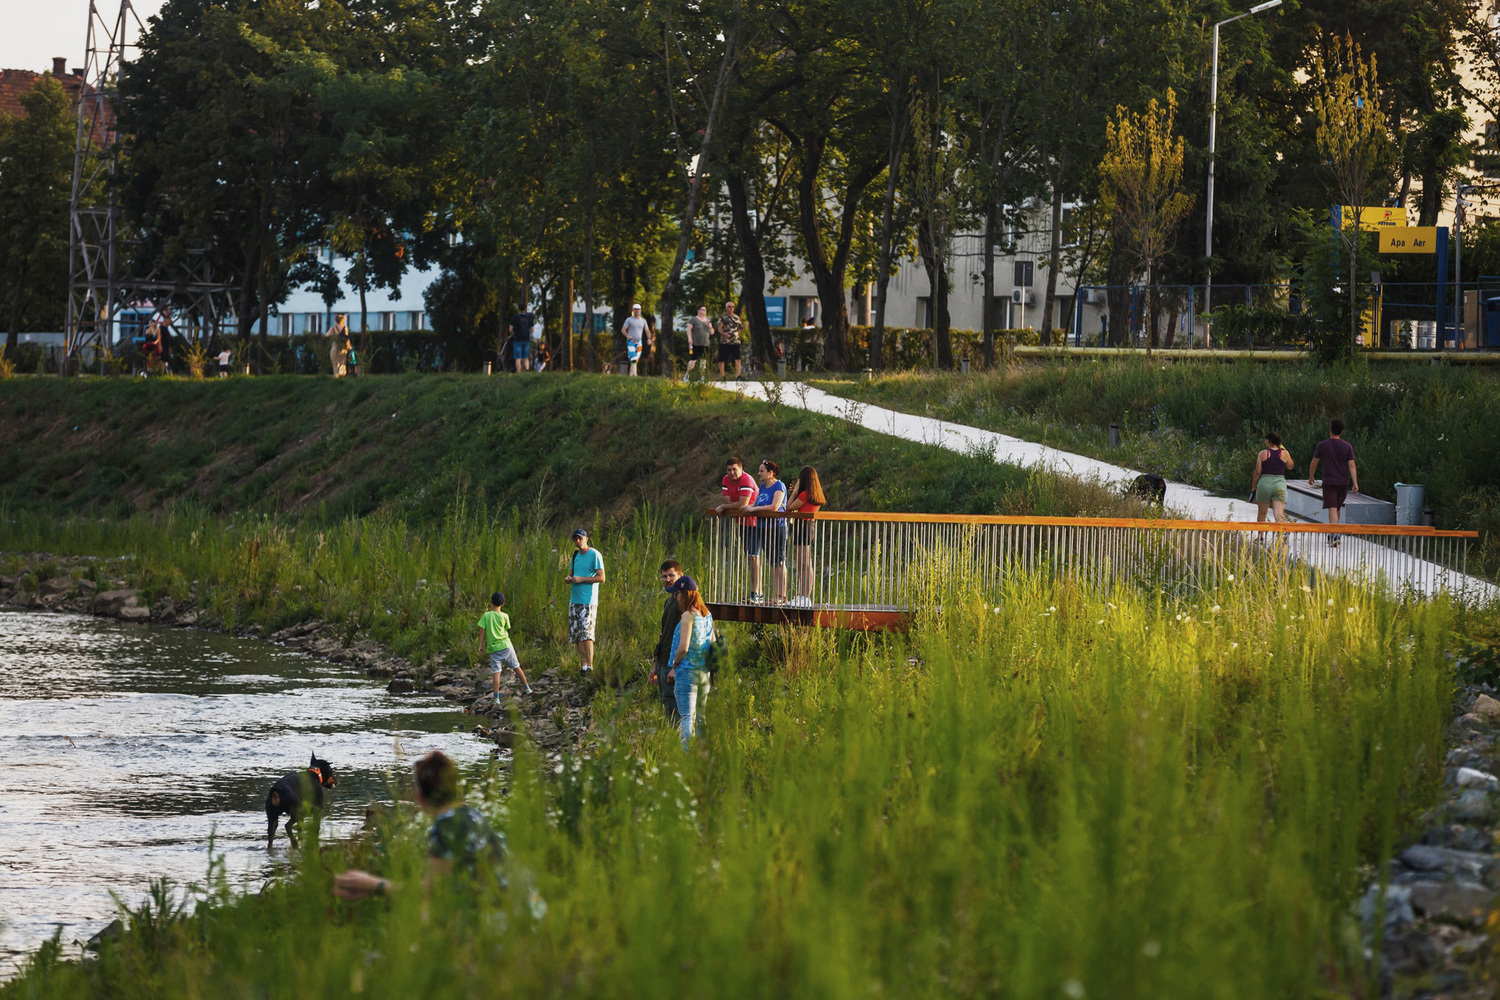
[1461, 903]
[55, 587]
[114, 603]
[1487, 708]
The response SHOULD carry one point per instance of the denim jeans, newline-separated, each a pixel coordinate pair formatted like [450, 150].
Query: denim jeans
[691, 687]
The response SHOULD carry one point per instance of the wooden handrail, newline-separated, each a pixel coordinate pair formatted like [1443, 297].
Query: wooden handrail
[1410, 531]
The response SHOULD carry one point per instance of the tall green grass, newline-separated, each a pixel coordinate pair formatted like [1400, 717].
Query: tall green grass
[1060, 794]
[419, 591]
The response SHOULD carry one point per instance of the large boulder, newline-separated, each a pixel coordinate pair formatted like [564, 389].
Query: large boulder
[112, 604]
[55, 587]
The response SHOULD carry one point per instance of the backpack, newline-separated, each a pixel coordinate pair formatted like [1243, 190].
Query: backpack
[717, 655]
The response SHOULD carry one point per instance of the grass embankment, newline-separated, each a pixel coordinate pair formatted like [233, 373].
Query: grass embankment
[1062, 795]
[564, 445]
[1203, 423]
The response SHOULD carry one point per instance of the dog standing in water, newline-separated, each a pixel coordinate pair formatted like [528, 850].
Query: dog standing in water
[294, 790]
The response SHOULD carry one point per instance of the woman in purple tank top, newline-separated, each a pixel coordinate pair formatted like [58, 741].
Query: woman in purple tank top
[1268, 487]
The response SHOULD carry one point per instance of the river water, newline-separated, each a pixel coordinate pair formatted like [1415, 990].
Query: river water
[125, 748]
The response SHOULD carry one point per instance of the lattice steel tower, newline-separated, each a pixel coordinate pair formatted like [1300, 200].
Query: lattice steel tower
[103, 281]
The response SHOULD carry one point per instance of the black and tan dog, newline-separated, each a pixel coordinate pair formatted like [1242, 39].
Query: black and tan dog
[293, 791]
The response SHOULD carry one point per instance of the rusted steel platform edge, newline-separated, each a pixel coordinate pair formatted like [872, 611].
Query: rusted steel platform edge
[860, 619]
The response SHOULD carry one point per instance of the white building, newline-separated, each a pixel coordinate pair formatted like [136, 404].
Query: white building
[305, 312]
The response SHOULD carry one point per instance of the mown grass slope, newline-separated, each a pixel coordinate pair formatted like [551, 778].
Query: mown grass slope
[567, 445]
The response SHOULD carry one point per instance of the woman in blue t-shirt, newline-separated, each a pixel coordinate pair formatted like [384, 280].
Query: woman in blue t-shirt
[770, 499]
[688, 669]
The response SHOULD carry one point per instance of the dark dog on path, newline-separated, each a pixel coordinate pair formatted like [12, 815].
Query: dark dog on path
[293, 791]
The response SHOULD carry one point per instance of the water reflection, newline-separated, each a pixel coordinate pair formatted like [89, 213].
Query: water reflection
[126, 747]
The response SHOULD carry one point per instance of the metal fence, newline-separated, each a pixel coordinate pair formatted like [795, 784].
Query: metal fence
[850, 568]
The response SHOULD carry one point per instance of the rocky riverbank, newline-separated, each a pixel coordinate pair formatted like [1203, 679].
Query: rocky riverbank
[555, 715]
[1440, 907]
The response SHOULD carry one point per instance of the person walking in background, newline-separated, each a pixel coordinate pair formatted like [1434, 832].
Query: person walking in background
[225, 359]
[770, 499]
[700, 332]
[338, 345]
[807, 498]
[151, 347]
[688, 670]
[1268, 486]
[671, 572]
[586, 573]
[738, 491]
[1340, 476]
[521, 325]
[494, 638]
[637, 335]
[351, 359]
[729, 340]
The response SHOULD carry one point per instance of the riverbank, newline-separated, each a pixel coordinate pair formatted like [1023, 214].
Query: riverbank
[554, 716]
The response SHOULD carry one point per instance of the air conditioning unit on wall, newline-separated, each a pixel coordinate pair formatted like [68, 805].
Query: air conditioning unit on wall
[1092, 296]
[1023, 296]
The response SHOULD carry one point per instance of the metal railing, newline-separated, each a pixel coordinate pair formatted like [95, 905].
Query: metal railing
[882, 562]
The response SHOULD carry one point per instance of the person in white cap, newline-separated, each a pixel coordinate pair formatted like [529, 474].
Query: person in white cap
[637, 334]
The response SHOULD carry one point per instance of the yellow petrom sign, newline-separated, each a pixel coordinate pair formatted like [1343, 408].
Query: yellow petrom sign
[1372, 218]
[1407, 239]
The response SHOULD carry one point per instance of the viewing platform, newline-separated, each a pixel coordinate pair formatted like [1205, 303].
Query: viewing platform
[872, 571]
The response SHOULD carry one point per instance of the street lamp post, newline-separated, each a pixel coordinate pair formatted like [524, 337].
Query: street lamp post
[1458, 266]
[1213, 132]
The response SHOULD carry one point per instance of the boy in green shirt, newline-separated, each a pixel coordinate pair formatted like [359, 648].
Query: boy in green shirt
[494, 637]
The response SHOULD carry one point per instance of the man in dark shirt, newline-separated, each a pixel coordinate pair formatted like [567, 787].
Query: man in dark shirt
[671, 572]
[1340, 477]
[521, 325]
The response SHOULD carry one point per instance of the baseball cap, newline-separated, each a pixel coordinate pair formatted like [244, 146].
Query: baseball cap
[683, 583]
[580, 533]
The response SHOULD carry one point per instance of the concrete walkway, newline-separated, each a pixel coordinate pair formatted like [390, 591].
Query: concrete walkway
[1354, 557]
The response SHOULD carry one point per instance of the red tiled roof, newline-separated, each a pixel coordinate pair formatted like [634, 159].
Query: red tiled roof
[16, 82]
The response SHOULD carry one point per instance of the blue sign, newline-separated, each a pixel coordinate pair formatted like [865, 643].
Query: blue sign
[776, 310]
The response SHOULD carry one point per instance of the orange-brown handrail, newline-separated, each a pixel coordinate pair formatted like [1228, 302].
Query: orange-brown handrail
[870, 562]
[1159, 524]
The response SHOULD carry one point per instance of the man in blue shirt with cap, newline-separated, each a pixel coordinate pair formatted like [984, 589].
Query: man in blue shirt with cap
[587, 572]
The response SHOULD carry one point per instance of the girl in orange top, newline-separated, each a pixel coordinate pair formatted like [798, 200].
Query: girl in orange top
[807, 499]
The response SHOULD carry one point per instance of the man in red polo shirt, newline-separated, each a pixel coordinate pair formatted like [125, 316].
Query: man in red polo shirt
[738, 490]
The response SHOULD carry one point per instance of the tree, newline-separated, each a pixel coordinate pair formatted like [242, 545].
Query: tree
[36, 169]
[1140, 181]
[1355, 142]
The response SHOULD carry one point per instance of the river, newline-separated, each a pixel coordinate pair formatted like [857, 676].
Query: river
[126, 748]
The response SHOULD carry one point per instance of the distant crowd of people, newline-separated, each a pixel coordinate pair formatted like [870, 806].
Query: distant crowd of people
[717, 339]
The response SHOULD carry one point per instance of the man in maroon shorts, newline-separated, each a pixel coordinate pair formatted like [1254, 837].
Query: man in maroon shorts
[1339, 474]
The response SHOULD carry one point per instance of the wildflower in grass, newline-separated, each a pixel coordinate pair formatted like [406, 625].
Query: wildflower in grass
[1234, 645]
[1151, 948]
[1215, 609]
[1073, 988]
[1351, 611]
[1330, 602]
[1230, 578]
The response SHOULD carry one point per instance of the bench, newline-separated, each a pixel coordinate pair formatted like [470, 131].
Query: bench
[1305, 503]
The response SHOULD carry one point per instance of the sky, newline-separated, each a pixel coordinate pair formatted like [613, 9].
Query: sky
[37, 30]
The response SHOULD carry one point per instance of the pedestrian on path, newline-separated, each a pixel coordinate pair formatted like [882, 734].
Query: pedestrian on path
[1268, 487]
[338, 345]
[807, 498]
[688, 670]
[671, 614]
[729, 340]
[1340, 476]
[494, 637]
[586, 573]
[521, 326]
[700, 332]
[637, 336]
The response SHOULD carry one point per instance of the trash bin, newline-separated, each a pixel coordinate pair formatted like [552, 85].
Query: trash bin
[1410, 499]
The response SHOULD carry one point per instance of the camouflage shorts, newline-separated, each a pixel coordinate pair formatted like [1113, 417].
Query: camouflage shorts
[581, 619]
